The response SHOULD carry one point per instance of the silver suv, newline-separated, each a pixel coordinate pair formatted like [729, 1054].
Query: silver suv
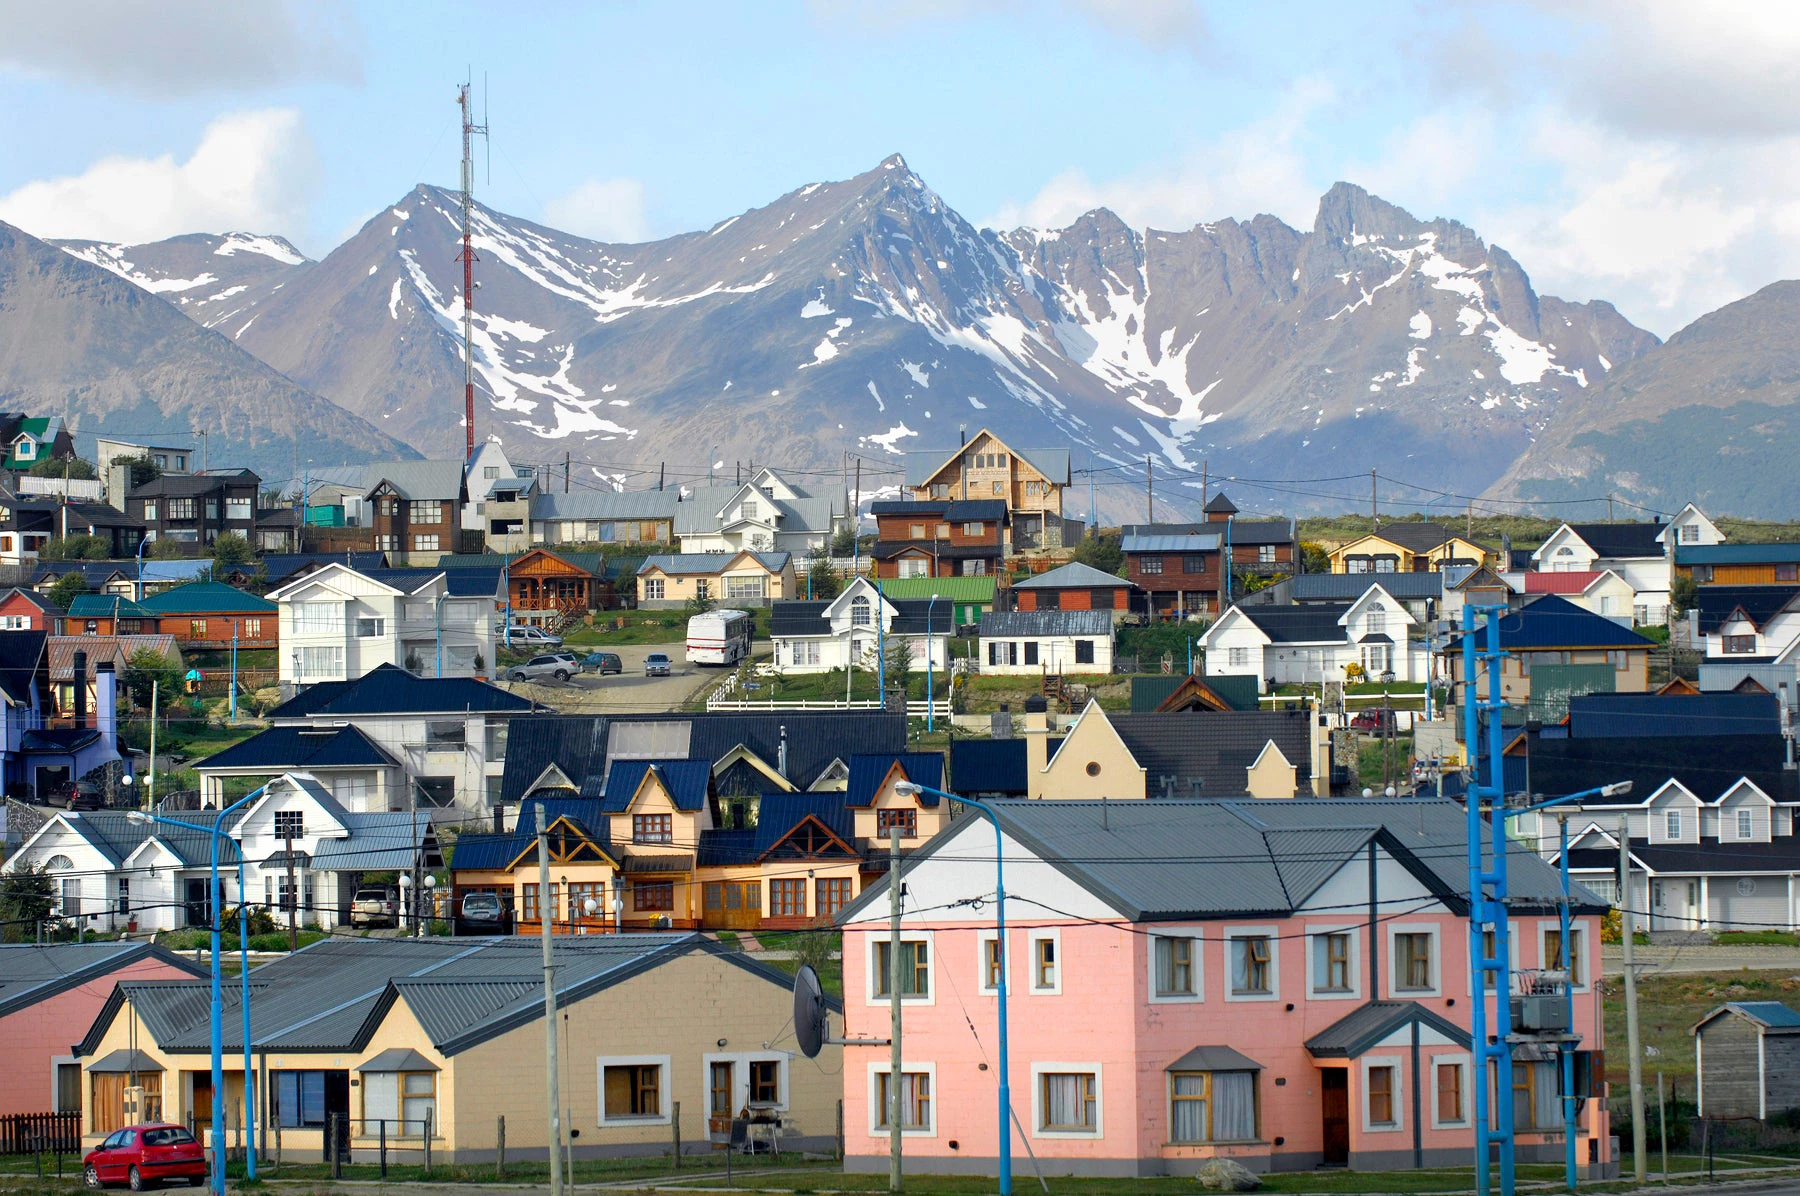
[560, 665]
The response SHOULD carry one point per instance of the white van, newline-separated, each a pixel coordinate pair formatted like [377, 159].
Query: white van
[720, 637]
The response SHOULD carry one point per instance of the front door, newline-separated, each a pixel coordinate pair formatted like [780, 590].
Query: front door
[337, 1101]
[1334, 1099]
[731, 905]
[1690, 908]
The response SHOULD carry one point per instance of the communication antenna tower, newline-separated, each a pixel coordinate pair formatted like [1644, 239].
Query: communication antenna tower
[469, 131]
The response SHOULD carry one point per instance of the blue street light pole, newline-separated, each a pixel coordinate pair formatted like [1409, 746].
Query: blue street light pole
[1567, 1057]
[1004, 1125]
[139, 596]
[214, 832]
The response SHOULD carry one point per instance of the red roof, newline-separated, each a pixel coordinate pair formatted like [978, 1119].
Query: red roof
[1559, 583]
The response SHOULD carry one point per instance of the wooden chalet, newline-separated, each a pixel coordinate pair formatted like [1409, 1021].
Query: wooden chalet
[544, 583]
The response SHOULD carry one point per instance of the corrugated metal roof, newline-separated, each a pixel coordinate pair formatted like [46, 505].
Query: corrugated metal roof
[30, 973]
[1214, 1058]
[398, 1059]
[1737, 554]
[1030, 624]
[115, 648]
[1616, 540]
[924, 464]
[1552, 621]
[960, 590]
[389, 689]
[712, 563]
[1769, 1013]
[980, 766]
[298, 748]
[379, 842]
[869, 769]
[1074, 576]
[603, 505]
[425, 480]
[1315, 624]
[1348, 587]
[779, 813]
[1198, 542]
[688, 782]
[106, 606]
[206, 598]
[1602, 715]
[1369, 1023]
[1718, 604]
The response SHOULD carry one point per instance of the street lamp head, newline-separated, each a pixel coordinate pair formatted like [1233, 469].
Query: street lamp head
[906, 789]
[430, 881]
[127, 779]
[1616, 789]
[137, 816]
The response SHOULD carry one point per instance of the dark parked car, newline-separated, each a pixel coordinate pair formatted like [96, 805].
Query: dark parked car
[656, 665]
[78, 795]
[602, 663]
[143, 1156]
[483, 913]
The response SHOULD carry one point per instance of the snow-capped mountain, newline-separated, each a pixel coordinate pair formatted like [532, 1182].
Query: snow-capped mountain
[77, 341]
[868, 315]
[213, 279]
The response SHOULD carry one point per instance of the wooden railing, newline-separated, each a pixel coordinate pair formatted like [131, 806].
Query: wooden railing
[32, 1133]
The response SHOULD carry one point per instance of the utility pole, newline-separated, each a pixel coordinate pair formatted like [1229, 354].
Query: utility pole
[546, 916]
[1149, 490]
[662, 468]
[896, 1104]
[1471, 527]
[566, 459]
[1609, 508]
[467, 258]
[1634, 1049]
[1203, 484]
[1374, 505]
[293, 901]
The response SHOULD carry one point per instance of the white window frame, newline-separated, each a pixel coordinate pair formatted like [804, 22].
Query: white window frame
[1394, 930]
[1038, 1071]
[740, 1074]
[1672, 818]
[1194, 933]
[1273, 934]
[1461, 1062]
[876, 1129]
[931, 962]
[982, 939]
[665, 1090]
[1399, 1123]
[1513, 957]
[1314, 979]
[1547, 958]
[1745, 818]
[1053, 936]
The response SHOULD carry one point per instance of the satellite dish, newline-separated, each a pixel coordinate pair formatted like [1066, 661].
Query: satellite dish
[811, 1017]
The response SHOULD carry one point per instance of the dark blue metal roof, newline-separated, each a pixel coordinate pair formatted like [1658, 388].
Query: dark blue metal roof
[289, 748]
[988, 766]
[868, 771]
[687, 781]
[390, 689]
[779, 813]
[1554, 622]
[1605, 716]
[721, 848]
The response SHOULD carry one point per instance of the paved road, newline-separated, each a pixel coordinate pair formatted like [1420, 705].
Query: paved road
[627, 692]
[1702, 958]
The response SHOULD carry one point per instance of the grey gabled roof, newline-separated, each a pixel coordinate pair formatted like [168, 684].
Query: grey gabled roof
[1770, 1015]
[1040, 623]
[1214, 1058]
[677, 563]
[924, 464]
[1163, 860]
[605, 504]
[1315, 624]
[122, 1061]
[1348, 587]
[1369, 1023]
[398, 1059]
[30, 973]
[1074, 576]
[1207, 754]
[441, 480]
[1194, 542]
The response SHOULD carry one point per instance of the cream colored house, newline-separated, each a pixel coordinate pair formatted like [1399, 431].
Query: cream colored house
[1213, 754]
[736, 579]
[1031, 481]
[445, 1036]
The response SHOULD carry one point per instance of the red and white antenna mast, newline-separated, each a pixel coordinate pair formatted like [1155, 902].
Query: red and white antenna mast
[467, 257]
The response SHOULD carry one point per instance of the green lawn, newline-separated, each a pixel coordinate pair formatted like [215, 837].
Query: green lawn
[1758, 938]
[831, 973]
[1668, 1007]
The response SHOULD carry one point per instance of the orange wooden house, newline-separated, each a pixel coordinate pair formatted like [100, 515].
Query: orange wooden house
[541, 582]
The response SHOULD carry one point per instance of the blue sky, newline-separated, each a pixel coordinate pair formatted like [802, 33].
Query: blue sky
[1637, 153]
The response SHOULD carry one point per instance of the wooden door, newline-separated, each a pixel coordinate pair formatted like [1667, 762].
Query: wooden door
[1334, 1094]
[731, 905]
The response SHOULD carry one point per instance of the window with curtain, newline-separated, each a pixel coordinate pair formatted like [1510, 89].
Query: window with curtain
[1250, 964]
[1212, 1106]
[1175, 974]
[318, 618]
[915, 1100]
[831, 894]
[1412, 962]
[915, 969]
[300, 1098]
[1553, 952]
[1068, 1101]
[1534, 1096]
[1331, 962]
[990, 963]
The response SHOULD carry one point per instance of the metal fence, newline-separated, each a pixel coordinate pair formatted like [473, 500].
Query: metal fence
[38, 1133]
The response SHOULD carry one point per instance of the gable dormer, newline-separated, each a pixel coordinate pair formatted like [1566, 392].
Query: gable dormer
[772, 486]
[1674, 814]
[1745, 814]
[1690, 527]
[659, 806]
[1376, 613]
[295, 805]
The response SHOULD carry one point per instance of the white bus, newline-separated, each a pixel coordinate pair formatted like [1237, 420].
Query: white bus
[719, 637]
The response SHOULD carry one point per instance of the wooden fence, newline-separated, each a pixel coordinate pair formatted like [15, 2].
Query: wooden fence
[32, 1133]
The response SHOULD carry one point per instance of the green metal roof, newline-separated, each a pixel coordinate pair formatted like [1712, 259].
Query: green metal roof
[206, 598]
[977, 590]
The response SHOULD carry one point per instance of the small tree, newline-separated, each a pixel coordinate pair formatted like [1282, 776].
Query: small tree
[1684, 592]
[65, 589]
[144, 469]
[700, 604]
[821, 579]
[1314, 558]
[1101, 550]
[164, 549]
[148, 671]
[78, 547]
[231, 549]
[899, 663]
[27, 895]
[64, 467]
[843, 541]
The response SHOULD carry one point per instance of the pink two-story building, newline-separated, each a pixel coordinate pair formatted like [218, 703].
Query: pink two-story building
[1283, 983]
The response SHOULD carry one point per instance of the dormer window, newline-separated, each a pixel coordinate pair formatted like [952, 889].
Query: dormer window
[769, 493]
[750, 509]
[1672, 823]
[1377, 620]
[1745, 824]
[1689, 534]
[859, 611]
[290, 824]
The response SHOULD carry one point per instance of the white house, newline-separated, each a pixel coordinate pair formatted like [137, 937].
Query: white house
[816, 637]
[338, 623]
[767, 513]
[112, 872]
[1750, 633]
[1641, 553]
[1045, 641]
[1310, 644]
[1604, 592]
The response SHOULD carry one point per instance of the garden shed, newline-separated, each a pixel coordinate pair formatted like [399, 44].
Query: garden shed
[1747, 1059]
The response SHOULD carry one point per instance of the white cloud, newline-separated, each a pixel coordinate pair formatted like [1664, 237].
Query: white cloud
[159, 49]
[603, 209]
[1424, 165]
[1258, 168]
[1157, 24]
[252, 171]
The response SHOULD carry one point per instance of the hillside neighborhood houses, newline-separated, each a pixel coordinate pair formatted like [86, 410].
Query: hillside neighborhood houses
[1227, 763]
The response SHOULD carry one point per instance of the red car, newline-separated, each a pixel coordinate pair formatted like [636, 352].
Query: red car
[144, 1155]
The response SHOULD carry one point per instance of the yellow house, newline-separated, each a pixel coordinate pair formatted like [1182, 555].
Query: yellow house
[1222, 753]
[404, 1038]
[1408, 548]
[728, 578]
